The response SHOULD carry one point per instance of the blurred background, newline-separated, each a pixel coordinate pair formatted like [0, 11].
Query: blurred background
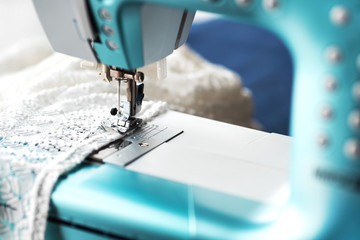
[259, 57]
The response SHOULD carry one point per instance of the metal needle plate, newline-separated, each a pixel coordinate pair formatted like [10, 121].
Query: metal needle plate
[126, 150]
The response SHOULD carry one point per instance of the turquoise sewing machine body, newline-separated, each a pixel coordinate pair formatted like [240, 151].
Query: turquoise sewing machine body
[324, 40]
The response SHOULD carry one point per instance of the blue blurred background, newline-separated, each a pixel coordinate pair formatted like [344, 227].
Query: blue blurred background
[259, 57]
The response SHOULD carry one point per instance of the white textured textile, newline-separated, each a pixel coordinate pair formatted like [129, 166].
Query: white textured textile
[51, 111]
[195, 86]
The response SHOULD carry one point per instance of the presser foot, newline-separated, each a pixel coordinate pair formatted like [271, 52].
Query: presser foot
[126, 110]
[126, 126]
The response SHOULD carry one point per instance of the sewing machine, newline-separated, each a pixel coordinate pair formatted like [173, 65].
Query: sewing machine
[151, 197]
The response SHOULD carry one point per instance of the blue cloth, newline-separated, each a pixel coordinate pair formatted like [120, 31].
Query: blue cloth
[261, 59]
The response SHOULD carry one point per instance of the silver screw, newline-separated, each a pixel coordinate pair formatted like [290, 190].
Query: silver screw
[108, 30]
[356, 91]
[105, 14]
[352, 149]
[331, 83]
[358, 62]
[339, 15]
[333, 55]
[144, 144]
[243, 3]
[271, 4]
[323, 140]
[326, 112]
[112, 45]
[354, 120]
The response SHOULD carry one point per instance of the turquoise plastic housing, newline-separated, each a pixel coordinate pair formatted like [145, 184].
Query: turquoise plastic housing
[125, 22]
[324, 40]
[107, 202]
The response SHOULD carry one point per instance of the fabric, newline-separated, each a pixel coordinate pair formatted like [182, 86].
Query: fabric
[261, 59]
[51, 117]
[195, 86]
[50, 121]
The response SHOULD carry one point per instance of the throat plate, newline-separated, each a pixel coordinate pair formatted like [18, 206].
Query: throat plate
[124, 151]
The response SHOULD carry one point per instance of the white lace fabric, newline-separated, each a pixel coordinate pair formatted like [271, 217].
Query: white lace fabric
[51, 113]
[195, 86]
[37, 148]
[50, 117]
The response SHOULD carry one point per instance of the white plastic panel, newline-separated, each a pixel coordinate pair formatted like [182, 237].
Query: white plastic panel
[222, 157]
[63, 28]
[160, 28]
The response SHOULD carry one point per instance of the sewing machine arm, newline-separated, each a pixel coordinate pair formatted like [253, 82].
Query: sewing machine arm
[324, 40]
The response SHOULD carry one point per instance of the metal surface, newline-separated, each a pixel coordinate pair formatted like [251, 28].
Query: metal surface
[127, 149]
[126, 125]
[127, 110]
[104, 73]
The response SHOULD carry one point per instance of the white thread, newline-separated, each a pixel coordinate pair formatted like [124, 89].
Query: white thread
[162, 69]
